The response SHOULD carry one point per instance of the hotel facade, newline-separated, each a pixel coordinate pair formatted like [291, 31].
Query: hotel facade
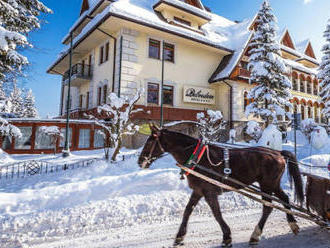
[118, 46]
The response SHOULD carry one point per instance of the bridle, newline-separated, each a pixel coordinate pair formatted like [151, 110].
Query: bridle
[149, 158]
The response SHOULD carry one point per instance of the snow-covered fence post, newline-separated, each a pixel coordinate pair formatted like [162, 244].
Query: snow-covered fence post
[324, 74]
[8, 130]
[120, 111]
[54, 133]
[212, 124]
[272, 93]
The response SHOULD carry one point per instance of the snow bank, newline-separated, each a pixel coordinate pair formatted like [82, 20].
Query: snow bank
[319, 138]
[5, 157]
[271, 138]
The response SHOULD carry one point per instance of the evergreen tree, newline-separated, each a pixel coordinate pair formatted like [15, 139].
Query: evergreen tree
[30, 110]
[17, 19]
[17, 103]
[324, 73]
[272, 93]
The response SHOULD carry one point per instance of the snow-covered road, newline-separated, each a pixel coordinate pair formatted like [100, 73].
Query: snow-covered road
[203, 232]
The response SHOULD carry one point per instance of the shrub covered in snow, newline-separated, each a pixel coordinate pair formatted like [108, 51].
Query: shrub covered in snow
[271, 138]
[307, 126]
[319, 138]
[54, 133]
[120, 111]
[212, 124]
[254, 130]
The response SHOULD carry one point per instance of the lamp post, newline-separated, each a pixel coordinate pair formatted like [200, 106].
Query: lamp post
[162, 89]
[66, 150]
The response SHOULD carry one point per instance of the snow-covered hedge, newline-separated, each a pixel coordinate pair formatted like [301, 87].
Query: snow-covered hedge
[254, 130]
[307, 126]
[319, 138]
[271, 138]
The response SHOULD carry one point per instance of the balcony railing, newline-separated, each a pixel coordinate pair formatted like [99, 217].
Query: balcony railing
[80, 73]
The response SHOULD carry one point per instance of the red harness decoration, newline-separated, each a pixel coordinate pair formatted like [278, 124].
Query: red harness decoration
[194, 157]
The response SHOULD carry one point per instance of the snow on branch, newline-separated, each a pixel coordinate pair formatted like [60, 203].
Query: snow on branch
[211, 125]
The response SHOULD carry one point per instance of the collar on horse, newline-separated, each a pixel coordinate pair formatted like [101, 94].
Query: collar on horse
[198, 154]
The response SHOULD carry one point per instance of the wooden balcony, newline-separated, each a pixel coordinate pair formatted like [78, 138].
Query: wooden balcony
[240, 72]
[80, 74]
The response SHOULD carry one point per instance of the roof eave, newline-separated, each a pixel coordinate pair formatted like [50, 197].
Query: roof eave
[137, 22]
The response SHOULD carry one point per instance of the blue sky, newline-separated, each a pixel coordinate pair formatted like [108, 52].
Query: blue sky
[304, 19]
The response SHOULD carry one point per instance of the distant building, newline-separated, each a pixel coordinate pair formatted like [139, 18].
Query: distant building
[119, 45]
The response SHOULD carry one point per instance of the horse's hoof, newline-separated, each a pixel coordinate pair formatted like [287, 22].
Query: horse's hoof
[253, 242]
[294, 227]
[178, 242]
[227, 243]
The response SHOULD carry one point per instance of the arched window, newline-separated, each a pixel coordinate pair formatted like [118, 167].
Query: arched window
[315, 86]
[295, 81]
[302, 112]
[309, 85]
[246, 100]
[316, 115]
[302, 83]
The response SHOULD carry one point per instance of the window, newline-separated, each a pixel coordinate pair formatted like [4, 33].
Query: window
[309, 88]
[107, 46]
[244, 65]
[98, 139]
[168, 95]
[24, 143]
[182, 21]
[87, 100]
[295, 84]
[80, 101]
[90, 65]
[101, 55]
[105, 93]
[154, 49]
[315, 89]
[104, 53]
[302, 112]
[168, 52]
[62, 143]
[302, 86]
[84, 138]
[99, 93]
[153, 93]
[43, 141]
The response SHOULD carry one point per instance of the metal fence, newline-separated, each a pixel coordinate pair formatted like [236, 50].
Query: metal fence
[29, 168]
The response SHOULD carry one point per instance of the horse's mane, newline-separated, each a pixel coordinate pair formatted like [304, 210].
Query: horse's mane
[178, 134]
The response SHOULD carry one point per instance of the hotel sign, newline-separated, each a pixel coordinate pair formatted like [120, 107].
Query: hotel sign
[194, 94]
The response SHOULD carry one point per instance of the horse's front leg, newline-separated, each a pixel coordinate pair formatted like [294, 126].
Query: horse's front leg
[212, 200]
[194, 199]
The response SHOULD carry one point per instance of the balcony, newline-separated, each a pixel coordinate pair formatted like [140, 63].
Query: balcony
[241, 73]
[80, 74]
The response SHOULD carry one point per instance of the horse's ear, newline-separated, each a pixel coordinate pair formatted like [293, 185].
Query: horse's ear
[153, 128]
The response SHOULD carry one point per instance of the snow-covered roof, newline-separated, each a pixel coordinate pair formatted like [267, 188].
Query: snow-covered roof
[187, 7]
[219, 32]
[240, 36]
[301, 67]
[302, 46]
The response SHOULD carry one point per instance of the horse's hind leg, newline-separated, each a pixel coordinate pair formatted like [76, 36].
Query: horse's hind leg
[266, 211]
[291, 220]
[212, 201]
[194, 199]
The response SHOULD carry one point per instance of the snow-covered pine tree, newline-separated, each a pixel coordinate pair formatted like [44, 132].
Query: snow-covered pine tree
[29, 110]
[17, 19]
[272, 93]
[17, 103]
[211, 126]
[324, 73]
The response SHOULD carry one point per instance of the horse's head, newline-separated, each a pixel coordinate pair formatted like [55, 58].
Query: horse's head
[153, 148]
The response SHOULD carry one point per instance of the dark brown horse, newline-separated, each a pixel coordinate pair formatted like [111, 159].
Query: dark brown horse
[248, 165]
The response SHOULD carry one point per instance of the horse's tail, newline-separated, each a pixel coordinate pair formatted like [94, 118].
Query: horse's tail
[294, 175]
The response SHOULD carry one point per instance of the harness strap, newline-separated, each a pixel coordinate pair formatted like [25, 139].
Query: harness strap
[196, 156]
[227, 170]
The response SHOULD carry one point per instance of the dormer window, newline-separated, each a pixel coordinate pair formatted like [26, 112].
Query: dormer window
[182, 21]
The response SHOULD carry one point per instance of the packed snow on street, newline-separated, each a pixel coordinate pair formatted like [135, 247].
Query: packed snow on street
[121, 205]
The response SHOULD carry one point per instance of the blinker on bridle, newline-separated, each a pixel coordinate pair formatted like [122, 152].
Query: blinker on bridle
[156, 141]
